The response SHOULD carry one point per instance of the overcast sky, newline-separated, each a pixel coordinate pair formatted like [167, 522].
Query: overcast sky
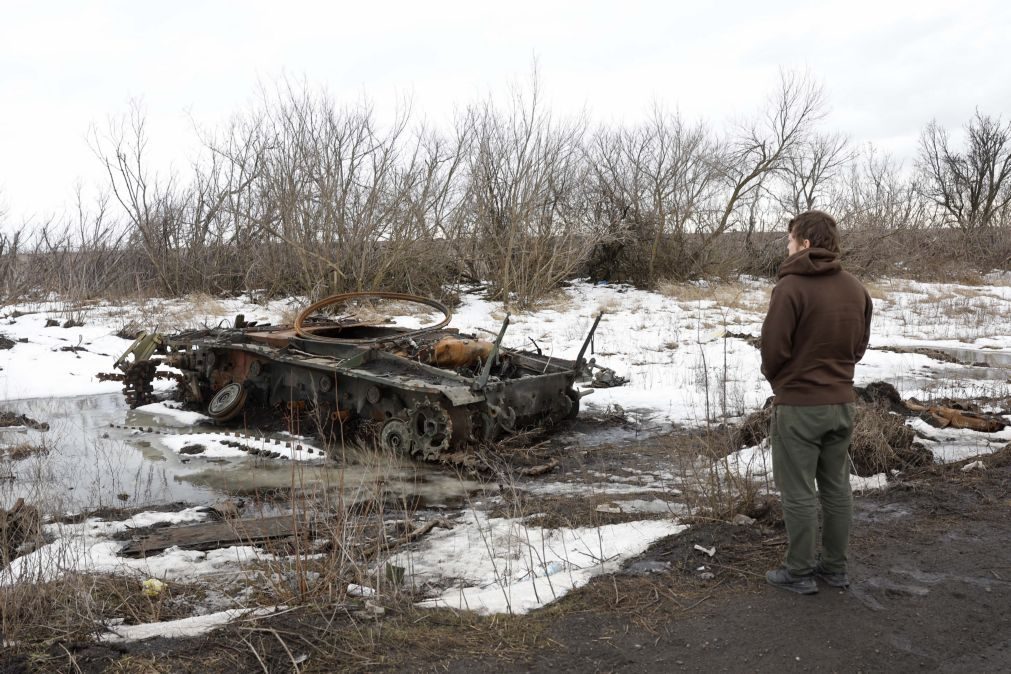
[887, 68]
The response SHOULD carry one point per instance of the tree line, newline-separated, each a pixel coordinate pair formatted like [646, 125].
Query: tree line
[308, 195]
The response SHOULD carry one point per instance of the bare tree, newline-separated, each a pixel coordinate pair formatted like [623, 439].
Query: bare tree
[171, 221]
[524, 176]
[972, 188]
[763, 147]
[809, 172]
[877, 195]
[651, 182]
[335, 201]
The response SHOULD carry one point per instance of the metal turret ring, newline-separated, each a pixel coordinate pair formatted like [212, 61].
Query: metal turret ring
[334, 300]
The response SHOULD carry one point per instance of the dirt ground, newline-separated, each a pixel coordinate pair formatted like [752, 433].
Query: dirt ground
[931, 573]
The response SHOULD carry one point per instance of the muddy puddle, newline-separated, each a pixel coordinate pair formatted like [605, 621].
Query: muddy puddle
[85, 461]
[961, 372]
[986, 358]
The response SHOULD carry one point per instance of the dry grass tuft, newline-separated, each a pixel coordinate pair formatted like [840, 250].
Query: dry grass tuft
[23, 450]
[877, 290]
[725, 294]
[882, 442]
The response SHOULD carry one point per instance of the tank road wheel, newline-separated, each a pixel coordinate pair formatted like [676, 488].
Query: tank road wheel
[574, 398]
[432, 429]
[482, 427]
[227, 402]
[395, 437]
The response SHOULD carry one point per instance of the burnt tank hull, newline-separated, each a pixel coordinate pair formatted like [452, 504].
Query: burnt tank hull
[427, 391]
[440, 408]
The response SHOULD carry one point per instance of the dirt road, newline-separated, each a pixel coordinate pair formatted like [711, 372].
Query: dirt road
[931, 570]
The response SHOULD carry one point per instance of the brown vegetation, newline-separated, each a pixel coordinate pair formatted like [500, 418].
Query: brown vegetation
[305, 195]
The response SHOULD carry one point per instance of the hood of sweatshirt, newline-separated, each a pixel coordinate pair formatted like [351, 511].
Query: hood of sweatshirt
[810, 262]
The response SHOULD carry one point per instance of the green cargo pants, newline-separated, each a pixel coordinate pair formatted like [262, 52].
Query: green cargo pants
[810, 463]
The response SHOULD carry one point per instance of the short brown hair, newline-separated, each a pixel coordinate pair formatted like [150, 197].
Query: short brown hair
[818, 227]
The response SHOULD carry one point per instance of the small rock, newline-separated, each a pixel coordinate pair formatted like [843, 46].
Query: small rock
[192, 449]
[647, 566]
[372, 611]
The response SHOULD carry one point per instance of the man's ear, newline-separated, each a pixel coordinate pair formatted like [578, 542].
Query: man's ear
[805, 244]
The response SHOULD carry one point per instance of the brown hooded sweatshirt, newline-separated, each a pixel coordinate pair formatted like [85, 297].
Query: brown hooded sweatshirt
[817, 329]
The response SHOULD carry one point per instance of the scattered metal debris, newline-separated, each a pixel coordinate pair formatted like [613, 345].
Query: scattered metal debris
[709, 551]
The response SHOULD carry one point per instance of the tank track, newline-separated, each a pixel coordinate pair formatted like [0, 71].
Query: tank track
[138, 381]
[241, 442]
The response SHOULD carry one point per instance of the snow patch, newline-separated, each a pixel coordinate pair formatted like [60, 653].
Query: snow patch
[183, 627]
[503, 566]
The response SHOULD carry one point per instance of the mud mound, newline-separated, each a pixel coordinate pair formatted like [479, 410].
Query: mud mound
[8, 418]
[881, 440]
[6, 342]
[883, 395]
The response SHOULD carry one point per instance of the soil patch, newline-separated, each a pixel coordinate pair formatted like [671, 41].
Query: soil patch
[8, 419]
[931, 577]
[941, 356]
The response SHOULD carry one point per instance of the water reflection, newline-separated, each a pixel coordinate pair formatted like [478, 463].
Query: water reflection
[86, 463]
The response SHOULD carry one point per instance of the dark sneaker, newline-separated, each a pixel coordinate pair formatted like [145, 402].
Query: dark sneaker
[834, 579]
[782, 578]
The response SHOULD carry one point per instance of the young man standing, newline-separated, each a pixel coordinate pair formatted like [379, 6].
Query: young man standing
[816, 331]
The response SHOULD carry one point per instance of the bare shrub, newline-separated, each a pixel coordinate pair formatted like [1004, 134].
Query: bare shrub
[13, 284]
[876, 203]
[523, 227]
[650, 184]
[324, 199]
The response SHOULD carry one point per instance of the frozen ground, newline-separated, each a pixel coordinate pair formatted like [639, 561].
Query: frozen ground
[675, 348]
[684, 351]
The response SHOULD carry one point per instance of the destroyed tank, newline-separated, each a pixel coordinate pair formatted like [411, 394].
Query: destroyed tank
[426, 391]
